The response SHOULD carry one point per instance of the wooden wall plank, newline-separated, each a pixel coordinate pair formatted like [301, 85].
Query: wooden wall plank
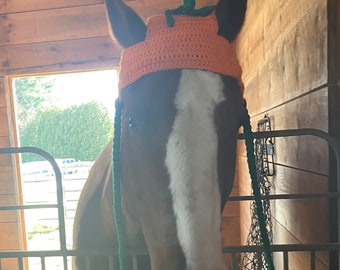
[307, 220]
[5, 160]
[7, 185]
[309, 111]
[3, 101]
[71, 38]
[15, 6]
[144, 7]
[230, 236]
[9, 264]
[59, 56]
[68, 21]
[232, 209]
[245, 189]
[297, 260]
[5, 142]
[53, 25]
[278, 56]
[11, 226]
[4, 127]
[8, 216]
[9, 236]
[276, 71]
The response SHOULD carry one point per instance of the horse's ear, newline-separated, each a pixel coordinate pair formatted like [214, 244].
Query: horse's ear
[127, 27]
[230, 16]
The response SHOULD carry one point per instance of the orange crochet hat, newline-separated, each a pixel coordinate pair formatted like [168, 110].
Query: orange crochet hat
[191, 43]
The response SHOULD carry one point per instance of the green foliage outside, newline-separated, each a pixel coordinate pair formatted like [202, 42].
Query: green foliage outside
[41, 229]
[79, 132]
[33, 95]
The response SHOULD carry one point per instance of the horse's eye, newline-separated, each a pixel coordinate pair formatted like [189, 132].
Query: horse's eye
[131, 122]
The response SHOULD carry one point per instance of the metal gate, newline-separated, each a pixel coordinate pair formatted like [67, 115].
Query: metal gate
[65, 255]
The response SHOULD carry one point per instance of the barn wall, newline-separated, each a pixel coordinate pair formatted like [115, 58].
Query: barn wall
[11, 228]
[283, 52]
[54, 36]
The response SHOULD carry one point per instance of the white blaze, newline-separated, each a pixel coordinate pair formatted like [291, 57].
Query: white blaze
[191, 160]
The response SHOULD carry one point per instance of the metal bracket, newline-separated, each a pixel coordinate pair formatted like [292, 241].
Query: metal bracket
[265, 148]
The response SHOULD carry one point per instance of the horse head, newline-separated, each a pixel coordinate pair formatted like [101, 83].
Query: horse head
[181, 91]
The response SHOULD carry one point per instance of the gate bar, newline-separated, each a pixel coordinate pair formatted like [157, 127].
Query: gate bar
[59, 186]
[332, 143]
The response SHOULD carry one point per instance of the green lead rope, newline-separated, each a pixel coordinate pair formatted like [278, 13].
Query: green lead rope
[249, 140]
[116, 187]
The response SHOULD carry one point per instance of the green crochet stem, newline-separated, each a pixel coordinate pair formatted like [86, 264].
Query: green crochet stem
[249, 139]
[187, 8]
[116, 187]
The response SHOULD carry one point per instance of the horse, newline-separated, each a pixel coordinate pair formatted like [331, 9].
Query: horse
[180, 120]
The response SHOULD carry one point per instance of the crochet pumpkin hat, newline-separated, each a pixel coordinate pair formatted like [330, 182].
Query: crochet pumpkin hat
[191, 43]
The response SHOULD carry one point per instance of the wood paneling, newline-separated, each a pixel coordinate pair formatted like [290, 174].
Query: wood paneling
[53, 25]
[9, 264]
[2, 94]
[309, 111]
[305, 219]
[15, 6]
[4, 128]
[58, 56]
[283, 52]
[295, 62]
[5, 142]
[9, 236]
[297, 260]
[8, 216]
[5, 160]
[10, 221]
[51, 39]
[7, 185]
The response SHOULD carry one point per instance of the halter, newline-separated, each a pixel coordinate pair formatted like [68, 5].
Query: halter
[166, 52]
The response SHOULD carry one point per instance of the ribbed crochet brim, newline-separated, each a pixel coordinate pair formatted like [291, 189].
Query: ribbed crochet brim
[192, 43]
